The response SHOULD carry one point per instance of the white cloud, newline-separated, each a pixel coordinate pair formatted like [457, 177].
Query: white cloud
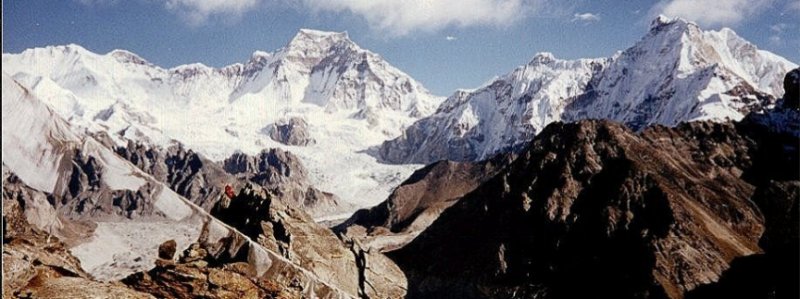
[195, 11]
[713, 12]
[794, 5]
[401, 17]
[392, 17]
[585, 17]
[778, 28]
[198, 11]
[450, 38]
[778, 32]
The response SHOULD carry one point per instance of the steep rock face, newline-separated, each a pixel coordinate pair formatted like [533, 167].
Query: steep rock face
[416, 203]
[284, 175]
[293, 131]
[355, 270]
[187, 173]
[675, 73]
[37, 264]
[203, 181]
[594, 209]
[791, 83]
[82, 177]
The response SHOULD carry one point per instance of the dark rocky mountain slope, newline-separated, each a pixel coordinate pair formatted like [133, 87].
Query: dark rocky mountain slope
[418, 201]
[595, 210]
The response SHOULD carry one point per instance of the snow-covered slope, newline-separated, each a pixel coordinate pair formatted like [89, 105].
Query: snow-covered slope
[675, 73]
[507, 113]
[39, 146]
[678, 72]
[350, 97]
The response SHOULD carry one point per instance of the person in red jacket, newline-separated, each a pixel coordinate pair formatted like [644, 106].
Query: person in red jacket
[229, 191]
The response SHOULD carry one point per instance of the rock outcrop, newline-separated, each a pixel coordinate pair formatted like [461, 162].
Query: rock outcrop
[284, 175]
[593, 209]
[197, 274]
[292, 131]
[201, 180]
[183, 170]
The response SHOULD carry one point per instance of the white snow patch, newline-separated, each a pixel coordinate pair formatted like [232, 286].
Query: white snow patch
[118, 174]
[118, 249]
[172, 205]
[35, 139]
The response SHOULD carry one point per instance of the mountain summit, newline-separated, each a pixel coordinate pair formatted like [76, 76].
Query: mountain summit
[676, 73]
[349, 98]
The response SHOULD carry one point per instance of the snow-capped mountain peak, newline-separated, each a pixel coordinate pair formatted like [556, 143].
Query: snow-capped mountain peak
[128, 57]
[309, 47]
[351, 99]
[677, 72]
[542, 58]
[310, 38]
[662, 20]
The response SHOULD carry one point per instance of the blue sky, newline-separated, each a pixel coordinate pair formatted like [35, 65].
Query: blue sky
[445, 44]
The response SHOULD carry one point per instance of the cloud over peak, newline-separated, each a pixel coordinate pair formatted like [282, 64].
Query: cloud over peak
[198, 11]
[713, 12]
[392, 17]
[402, 17]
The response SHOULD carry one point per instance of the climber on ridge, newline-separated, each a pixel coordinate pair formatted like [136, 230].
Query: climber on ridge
[229, 191]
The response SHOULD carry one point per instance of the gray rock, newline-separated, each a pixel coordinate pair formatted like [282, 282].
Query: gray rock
[283, 174]
[293, 131]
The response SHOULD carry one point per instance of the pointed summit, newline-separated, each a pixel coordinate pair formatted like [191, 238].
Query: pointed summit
[311, 46]
[321, 34]
[661, 22]
[542, 58]
[309, 38]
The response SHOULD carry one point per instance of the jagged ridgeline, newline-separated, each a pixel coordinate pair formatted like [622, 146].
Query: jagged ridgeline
[669, 170]
[676, 73]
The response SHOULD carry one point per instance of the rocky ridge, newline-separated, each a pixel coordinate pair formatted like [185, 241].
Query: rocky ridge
[283, 174]
[665, 211]
[297, 238]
